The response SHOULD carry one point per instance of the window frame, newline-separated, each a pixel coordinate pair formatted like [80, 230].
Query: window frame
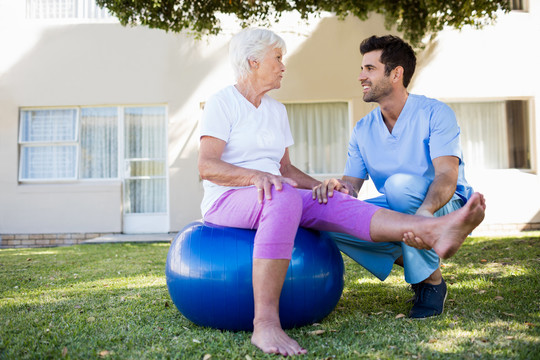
[120, 173]
[350, 125]
[26, 144]
[529, 100]
[523, 6]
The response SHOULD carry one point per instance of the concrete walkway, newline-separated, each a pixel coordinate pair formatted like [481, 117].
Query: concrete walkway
[130, 238]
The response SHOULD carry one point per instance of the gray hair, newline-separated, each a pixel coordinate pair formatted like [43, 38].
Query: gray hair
[252, 44]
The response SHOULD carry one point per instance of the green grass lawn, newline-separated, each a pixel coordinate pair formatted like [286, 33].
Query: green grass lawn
[111, 301]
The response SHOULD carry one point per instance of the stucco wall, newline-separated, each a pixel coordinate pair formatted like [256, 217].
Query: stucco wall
[65, 63]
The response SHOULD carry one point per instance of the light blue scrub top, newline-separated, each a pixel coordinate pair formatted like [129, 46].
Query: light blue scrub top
[425, 130]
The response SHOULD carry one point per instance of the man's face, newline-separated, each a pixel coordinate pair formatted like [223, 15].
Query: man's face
[376, 85]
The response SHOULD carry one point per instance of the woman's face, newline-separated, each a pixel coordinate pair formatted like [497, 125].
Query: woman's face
[269, 71]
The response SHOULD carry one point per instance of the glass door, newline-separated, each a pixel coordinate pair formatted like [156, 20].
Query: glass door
[145, 180]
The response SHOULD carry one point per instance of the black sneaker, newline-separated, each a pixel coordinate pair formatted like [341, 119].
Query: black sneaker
[429, 300]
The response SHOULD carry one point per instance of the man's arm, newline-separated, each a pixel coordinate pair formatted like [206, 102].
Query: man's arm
[443, 186]
[354, 184]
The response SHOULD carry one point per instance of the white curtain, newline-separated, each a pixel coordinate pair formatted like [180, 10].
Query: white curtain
[321, 134]
[99, 143]
[483, 134]
[48, 162]
[70, 144]
[55, 125]
[145, 160]
[48, 144]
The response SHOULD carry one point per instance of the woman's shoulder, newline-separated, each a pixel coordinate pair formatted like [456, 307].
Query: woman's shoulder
[223, 94]
[222, 99]
[270, 101]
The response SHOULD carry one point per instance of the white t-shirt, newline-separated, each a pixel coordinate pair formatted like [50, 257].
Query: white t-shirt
[256, 137]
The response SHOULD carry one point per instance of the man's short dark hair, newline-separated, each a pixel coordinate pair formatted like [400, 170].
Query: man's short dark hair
[395, 52]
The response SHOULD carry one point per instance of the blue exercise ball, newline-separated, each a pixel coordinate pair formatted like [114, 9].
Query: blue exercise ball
[209, 276]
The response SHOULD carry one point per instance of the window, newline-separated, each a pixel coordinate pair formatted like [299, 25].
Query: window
[496, 134]
[83, 143]
[519, 5]
[519, 144]
[65, 9]
[321, 136]
[48, 144]
[145, 160]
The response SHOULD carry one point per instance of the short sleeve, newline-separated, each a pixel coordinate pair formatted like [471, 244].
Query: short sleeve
[444, 133]
[216, 119]
[355, 166]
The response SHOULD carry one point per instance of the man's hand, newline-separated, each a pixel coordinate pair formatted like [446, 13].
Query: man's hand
[325, 190]
[414, 241]
[410, 239]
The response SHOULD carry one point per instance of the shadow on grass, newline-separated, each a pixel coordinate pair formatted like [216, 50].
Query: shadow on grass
[493, 282]
[89, 298]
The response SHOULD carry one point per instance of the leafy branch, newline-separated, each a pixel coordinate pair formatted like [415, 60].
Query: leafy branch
[414, 18]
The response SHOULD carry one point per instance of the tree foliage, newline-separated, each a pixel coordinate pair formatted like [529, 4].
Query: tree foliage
[414, 18]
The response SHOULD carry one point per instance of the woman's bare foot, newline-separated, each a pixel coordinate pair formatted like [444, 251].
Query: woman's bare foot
[270, 338]
[447, 234]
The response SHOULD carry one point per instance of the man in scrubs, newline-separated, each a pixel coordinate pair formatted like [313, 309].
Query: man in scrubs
[410, 148]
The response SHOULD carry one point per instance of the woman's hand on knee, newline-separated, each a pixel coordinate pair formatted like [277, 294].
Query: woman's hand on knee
[263, 182]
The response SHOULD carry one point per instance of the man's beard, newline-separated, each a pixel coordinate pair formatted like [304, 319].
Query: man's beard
[378, 91]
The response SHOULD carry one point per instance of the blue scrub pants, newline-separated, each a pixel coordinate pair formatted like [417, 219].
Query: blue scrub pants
[404, 193]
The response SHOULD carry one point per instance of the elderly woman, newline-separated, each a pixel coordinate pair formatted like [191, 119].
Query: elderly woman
[249, 182]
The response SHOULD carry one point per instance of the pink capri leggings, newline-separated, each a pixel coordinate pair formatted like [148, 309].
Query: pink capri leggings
[278, 219]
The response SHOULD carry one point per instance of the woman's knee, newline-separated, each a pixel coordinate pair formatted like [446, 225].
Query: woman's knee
[278, 224]
[286, 200]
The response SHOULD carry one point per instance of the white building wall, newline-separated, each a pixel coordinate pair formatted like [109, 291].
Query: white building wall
[52, 63]
[74, 64]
